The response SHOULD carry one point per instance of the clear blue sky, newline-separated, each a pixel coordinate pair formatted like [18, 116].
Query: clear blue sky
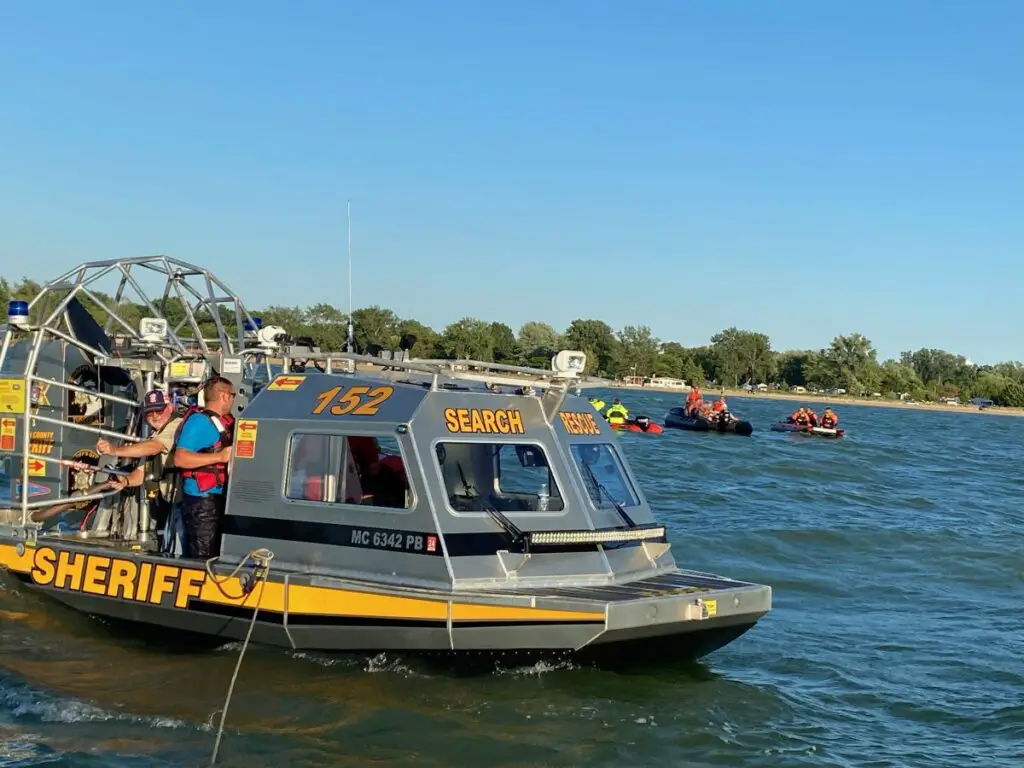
[800, 168]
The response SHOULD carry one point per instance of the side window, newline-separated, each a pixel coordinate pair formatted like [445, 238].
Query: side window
[504, 476]
[372, 473]
[309, 468]
[347, 469]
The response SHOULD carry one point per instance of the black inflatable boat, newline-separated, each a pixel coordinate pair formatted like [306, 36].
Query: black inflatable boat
[676, 418]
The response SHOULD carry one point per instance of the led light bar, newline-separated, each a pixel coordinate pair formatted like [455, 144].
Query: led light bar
[604, 536]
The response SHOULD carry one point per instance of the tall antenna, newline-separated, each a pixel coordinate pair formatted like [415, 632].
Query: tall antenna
[351, 347]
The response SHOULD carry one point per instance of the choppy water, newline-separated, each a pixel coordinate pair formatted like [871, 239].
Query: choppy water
[896, 639]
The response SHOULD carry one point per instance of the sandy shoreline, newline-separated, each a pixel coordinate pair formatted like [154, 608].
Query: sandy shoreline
[790, 397]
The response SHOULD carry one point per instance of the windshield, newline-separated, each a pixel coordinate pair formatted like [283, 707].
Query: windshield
[507, 477]
[603, 475]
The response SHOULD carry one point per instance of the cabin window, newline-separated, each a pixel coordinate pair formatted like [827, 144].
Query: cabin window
[603, 474]
[347, 469]
[505, 476]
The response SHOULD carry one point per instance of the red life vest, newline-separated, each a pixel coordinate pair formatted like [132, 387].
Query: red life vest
[212, 475]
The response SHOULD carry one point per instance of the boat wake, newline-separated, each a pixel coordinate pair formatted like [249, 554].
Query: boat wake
[21, 703]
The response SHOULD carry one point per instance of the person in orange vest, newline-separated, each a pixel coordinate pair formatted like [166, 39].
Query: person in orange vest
[383, 476]
[800, 416]
[829, 419]
[720, 405]
[812, 418]
[694, 400]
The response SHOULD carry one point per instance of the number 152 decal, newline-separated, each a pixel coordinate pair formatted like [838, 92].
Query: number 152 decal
[355, 401]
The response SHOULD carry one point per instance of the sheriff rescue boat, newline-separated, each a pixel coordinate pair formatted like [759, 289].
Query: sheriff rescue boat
[375, 502]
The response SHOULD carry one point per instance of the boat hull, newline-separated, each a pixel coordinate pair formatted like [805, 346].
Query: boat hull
[788, 426]
[683, 614]
[676, 419]
[633, 426]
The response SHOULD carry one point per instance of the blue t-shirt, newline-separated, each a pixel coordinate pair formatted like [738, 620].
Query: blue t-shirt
[198, 434]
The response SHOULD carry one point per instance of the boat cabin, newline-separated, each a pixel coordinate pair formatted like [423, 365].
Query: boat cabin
[444, 483]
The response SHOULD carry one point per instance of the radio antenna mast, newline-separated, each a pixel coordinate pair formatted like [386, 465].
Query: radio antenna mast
[351, 347]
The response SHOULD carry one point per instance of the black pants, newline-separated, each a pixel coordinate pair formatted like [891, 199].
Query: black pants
[202, 524]
[159, 511]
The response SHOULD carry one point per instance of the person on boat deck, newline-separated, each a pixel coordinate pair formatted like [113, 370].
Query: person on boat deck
[383, 477]
[812, 418]
[202, 453]
[616, 413]
[694, 400]
[800, 416]
[158, 411]
[598, 404]
[720, 405]
[44, 514]
[308, 470]
[829, 420]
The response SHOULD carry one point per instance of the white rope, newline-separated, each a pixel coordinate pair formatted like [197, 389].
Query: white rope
[263, 556]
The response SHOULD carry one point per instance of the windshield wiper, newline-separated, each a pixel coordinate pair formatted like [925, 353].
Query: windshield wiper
[602, 489]
[514, 532]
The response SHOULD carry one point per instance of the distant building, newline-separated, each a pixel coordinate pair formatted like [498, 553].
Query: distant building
[665, 381]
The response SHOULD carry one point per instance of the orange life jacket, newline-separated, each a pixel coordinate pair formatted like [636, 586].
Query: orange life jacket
[212, 475]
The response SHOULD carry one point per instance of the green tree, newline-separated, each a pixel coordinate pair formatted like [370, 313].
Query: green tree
[598, 341]
[743, 356]
[639, 350]
[896, 379]
[850, 363]
[707, 360]
[679, 362]
[671, 359]
[467, 339]
[991, 385]
[292, 319]
[327, 325]
[506, 348]
[1011, 370]
[942, 372]
[792, 366]
[1012, 395]
[538, 342]
[426, 338]
[375, 325]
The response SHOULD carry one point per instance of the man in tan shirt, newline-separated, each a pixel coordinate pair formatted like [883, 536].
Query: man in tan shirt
[158, 410]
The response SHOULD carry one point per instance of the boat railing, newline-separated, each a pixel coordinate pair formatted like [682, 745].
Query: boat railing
[497, 374]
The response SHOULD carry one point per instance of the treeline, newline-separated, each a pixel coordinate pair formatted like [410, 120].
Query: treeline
[732, 358]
